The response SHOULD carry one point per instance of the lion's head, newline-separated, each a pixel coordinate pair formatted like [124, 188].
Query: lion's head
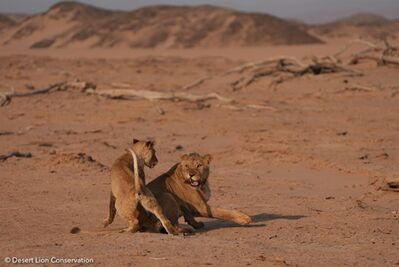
[145, 150]
[195, 168]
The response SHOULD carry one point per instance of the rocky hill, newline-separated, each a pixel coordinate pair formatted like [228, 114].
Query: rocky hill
[72, 24]
[359, 25]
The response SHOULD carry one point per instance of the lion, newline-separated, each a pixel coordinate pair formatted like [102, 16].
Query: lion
[184, 191]
[128, 190]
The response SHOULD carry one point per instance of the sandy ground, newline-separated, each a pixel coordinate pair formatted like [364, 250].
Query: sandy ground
[307, 171]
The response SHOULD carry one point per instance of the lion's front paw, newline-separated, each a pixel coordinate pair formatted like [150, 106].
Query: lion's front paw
[243, 219]
[170, 229]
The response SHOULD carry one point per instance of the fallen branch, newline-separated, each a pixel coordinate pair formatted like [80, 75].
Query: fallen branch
[197, 82]
[371, 47]
[5, 98]
[15, 154]
[246, 66]
[358, 87]
[292, 67]
[249, 106]
[316, 66]
[382, 60]
[268, 61]
[155, 95]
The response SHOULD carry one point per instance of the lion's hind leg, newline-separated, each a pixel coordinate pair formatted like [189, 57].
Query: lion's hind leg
[127, 209]
[150, 203]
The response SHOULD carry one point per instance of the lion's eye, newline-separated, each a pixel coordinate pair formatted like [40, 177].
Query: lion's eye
[199, 165]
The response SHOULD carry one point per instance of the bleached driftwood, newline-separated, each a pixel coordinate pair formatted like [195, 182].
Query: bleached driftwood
[156, 95]
[358, 87]
[5, 98]
[381, 59]
[285, 68]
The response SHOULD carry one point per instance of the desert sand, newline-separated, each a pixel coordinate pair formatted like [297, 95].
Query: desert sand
[310, 167]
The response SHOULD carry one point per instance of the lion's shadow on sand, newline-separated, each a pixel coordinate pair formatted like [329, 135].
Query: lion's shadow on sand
[257, 221]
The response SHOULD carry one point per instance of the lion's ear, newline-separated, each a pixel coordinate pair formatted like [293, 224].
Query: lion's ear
[135, 140]
[184, 157]
[207, 158]
[150, 144]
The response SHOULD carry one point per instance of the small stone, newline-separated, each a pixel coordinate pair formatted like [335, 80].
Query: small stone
[75, 230]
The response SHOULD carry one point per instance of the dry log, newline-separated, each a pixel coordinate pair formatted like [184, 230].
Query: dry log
[383, 60]
[15, 154]
[371, 47]
[250, 106]
[155, 95]
[358, 87]
[250, 65]
[5, 98]
[197, 82]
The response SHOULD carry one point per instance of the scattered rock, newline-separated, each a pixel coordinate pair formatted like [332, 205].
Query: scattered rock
[75, 230]
[81, 158]
[391, 185]
[179, 147]
[343, 133]
[361, 204]
[161, 111]
[364, 157]
[330, 197]
[261, 258]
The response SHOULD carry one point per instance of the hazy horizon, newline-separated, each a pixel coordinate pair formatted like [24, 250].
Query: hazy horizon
[310, 11]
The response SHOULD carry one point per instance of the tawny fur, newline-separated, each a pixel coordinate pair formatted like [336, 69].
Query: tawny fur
[186, 187]
[128, 189]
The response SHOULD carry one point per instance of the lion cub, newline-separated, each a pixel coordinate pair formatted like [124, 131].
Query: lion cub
[128, 190]
[187, 184]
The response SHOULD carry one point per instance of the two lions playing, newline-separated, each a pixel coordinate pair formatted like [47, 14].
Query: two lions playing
[181, 191]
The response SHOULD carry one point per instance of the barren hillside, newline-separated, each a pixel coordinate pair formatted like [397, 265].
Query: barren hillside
[359, 25]
[71, 24]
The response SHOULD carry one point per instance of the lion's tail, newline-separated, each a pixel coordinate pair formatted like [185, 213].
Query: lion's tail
[137, 183]
[112, 211]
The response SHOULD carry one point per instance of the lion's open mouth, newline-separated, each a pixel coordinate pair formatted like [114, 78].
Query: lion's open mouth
[194, 183]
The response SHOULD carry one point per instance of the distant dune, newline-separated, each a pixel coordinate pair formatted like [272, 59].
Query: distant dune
[71, 24]
[359, 25]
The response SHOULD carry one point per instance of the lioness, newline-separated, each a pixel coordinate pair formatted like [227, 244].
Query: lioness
[127, 192]
[184, 191]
